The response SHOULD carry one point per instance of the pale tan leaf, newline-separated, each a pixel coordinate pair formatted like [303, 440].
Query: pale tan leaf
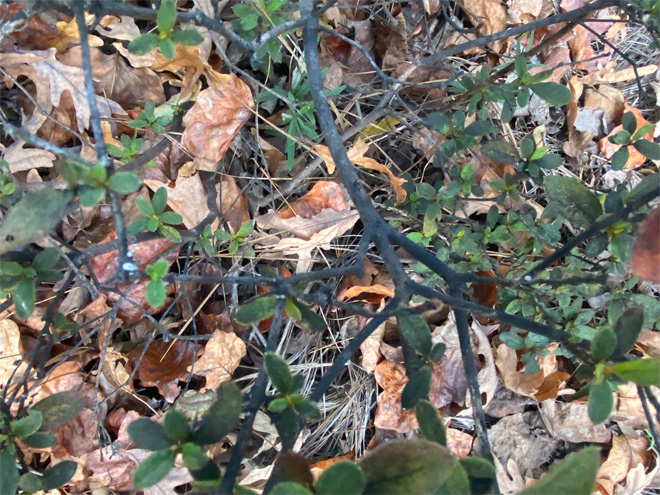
[10, 351]
[222, 354]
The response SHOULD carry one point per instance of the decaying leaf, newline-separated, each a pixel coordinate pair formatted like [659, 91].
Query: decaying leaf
[645, 258]
[222, 354]
[322, 195]
[489, 16]
[10, 351]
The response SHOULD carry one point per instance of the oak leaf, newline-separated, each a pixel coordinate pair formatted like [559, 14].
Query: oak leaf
[222, 354]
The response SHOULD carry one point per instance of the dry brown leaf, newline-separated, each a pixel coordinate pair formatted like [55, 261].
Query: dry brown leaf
[11, 353]
[19, 158]
[487, 376]
[520, 383]
[645, 258]
[459, 443]
[68, 34]
[549, 389]
[370, 349]
[608, 99]
[626, 452]
[489, 15]
[608, 74]
[350, 280]
[118, 28]
[324, 194]
[524, 11]
[570, 422]
[371, 294]
[222, 354]
[216, 118]
[649, 343]
[629, 409]
[389, 414]
[356, 156]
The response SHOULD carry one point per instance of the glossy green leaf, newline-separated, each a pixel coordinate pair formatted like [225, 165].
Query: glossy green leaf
[600, 402]
[24, 298]
[553, 93]
[40, 440]
[627, 329]
[257, 310]
[221, 418]
[645, 372]
[32, 218]
[430, 422]
[575, 475]
[289, 488]
[342, 478]
[143, 44]
[572, 200]
[58, 409]
[417, 388]
[647, 148]
[148, 435]
[166, 17]
[124, 182]
[153, 469]
[59, 474]
[188, 37]
[155, 293]
[28, 425]
[279, 373]
[604, 344]
[416, 333]
[176, 426]
[407, 466]
[8, 469]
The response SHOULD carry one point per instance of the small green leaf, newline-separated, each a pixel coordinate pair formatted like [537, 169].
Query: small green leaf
[438, 352]
[170, 233]
[619, 158]
[194, 456]
[155, 293]
[167, 48]
[221, 417]
[417, 388]
[520, 65]
[553, 93]
[278, 405]
[124, 182]
[629, 122]
[148, 435]
[279, 373]
[621, 137]
[309, 318]
[289, 488]
[549, 162]
[153, 469]
[645, 129]
[527, 147]
[188, 37]
[26, 426]
[627, 329]
[166, 17]
[143, 44]
[257, 310]
[245, 229]
[647, 148]
[171, 218]
[144, 206]
[58, 475]
[416, 333]
[575, 475]
[457, 483]
[8, 468]
[90, 197]
[479, 128]
[152, 224]
[430, 422]
[30, 483]
[308, 409]
[342, 478]
[158, 270]
[572, 200]
[604, 344]
[645, 372]
[287, 426]
[292, 310]
[440, 122]
[159, 201]
[40, 440]
[24, 298]
[176, 426]
[47, 258]
[137, 226]
[600, 402]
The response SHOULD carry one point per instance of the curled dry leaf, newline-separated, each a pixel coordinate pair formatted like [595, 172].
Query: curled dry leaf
[68, 34]
[645, 258]
[356, 156]
[350, 280]
[626, 453]
[222, 354]
[215, 119]
[370, 349]
[324, 194]
[118, 28]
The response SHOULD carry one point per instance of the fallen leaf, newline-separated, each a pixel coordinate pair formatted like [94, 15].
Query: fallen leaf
[370, 349]
[570, 422]
[624, 454]
[610, 100]
[68, 34]
[216, 118]
[507, 364]
[222, 354]
[459, 443]
[645, 257]
[11, 353]
[350, 280]
[371, 294]
[118, 28]
[324, 194]
[489, 16]
[389, 414]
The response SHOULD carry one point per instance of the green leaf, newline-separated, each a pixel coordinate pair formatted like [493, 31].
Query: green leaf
[171, 218]
[24, 298]
[407, 466]
[310, 319]
[158, 270]
[287, 426]
[416, 333]
[479, 128]
[480, 472]
[527, 147]
[188, 37]
[549, 162]
[40, 441]
[257, 310]
[58, 475]
[159, 201]
[278, 405]
[500, 151]
[438, 352]
[457, 483]
[308, 409]
[553, 93]
[417, 388]
[143, 44]
[619, 158]
[639, 133]
[167, 48]
[90, 197]
[170, 233]
[9, 477]
[166, 17]
[604, 344]
[575, 475]
[289, 488]
[570, 199]
[153, 469]
[144, 206]
[647, 148]
[32, 218]
[430, 422]
[629, 122]
[26, 426]
[148, 435]
[645, 372]
[138, 226]
[600, 402]
[124, 182]
[30, 483]
[176, 426]
[11, 268]
[155, 293]
[440, 122]
[209, 473]
[341, 478]
[47, 258]
[279, 373]
[245, 229]
[221, 417]
[194, 456]
[627, 329]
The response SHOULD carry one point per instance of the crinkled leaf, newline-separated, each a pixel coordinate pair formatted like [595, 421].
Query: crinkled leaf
[221, 417]
[148, 435]
[257, 310]
[430, 422]
[153, 469]
[341, 478]
[58, 475]
[645, 372]
[575, 475]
